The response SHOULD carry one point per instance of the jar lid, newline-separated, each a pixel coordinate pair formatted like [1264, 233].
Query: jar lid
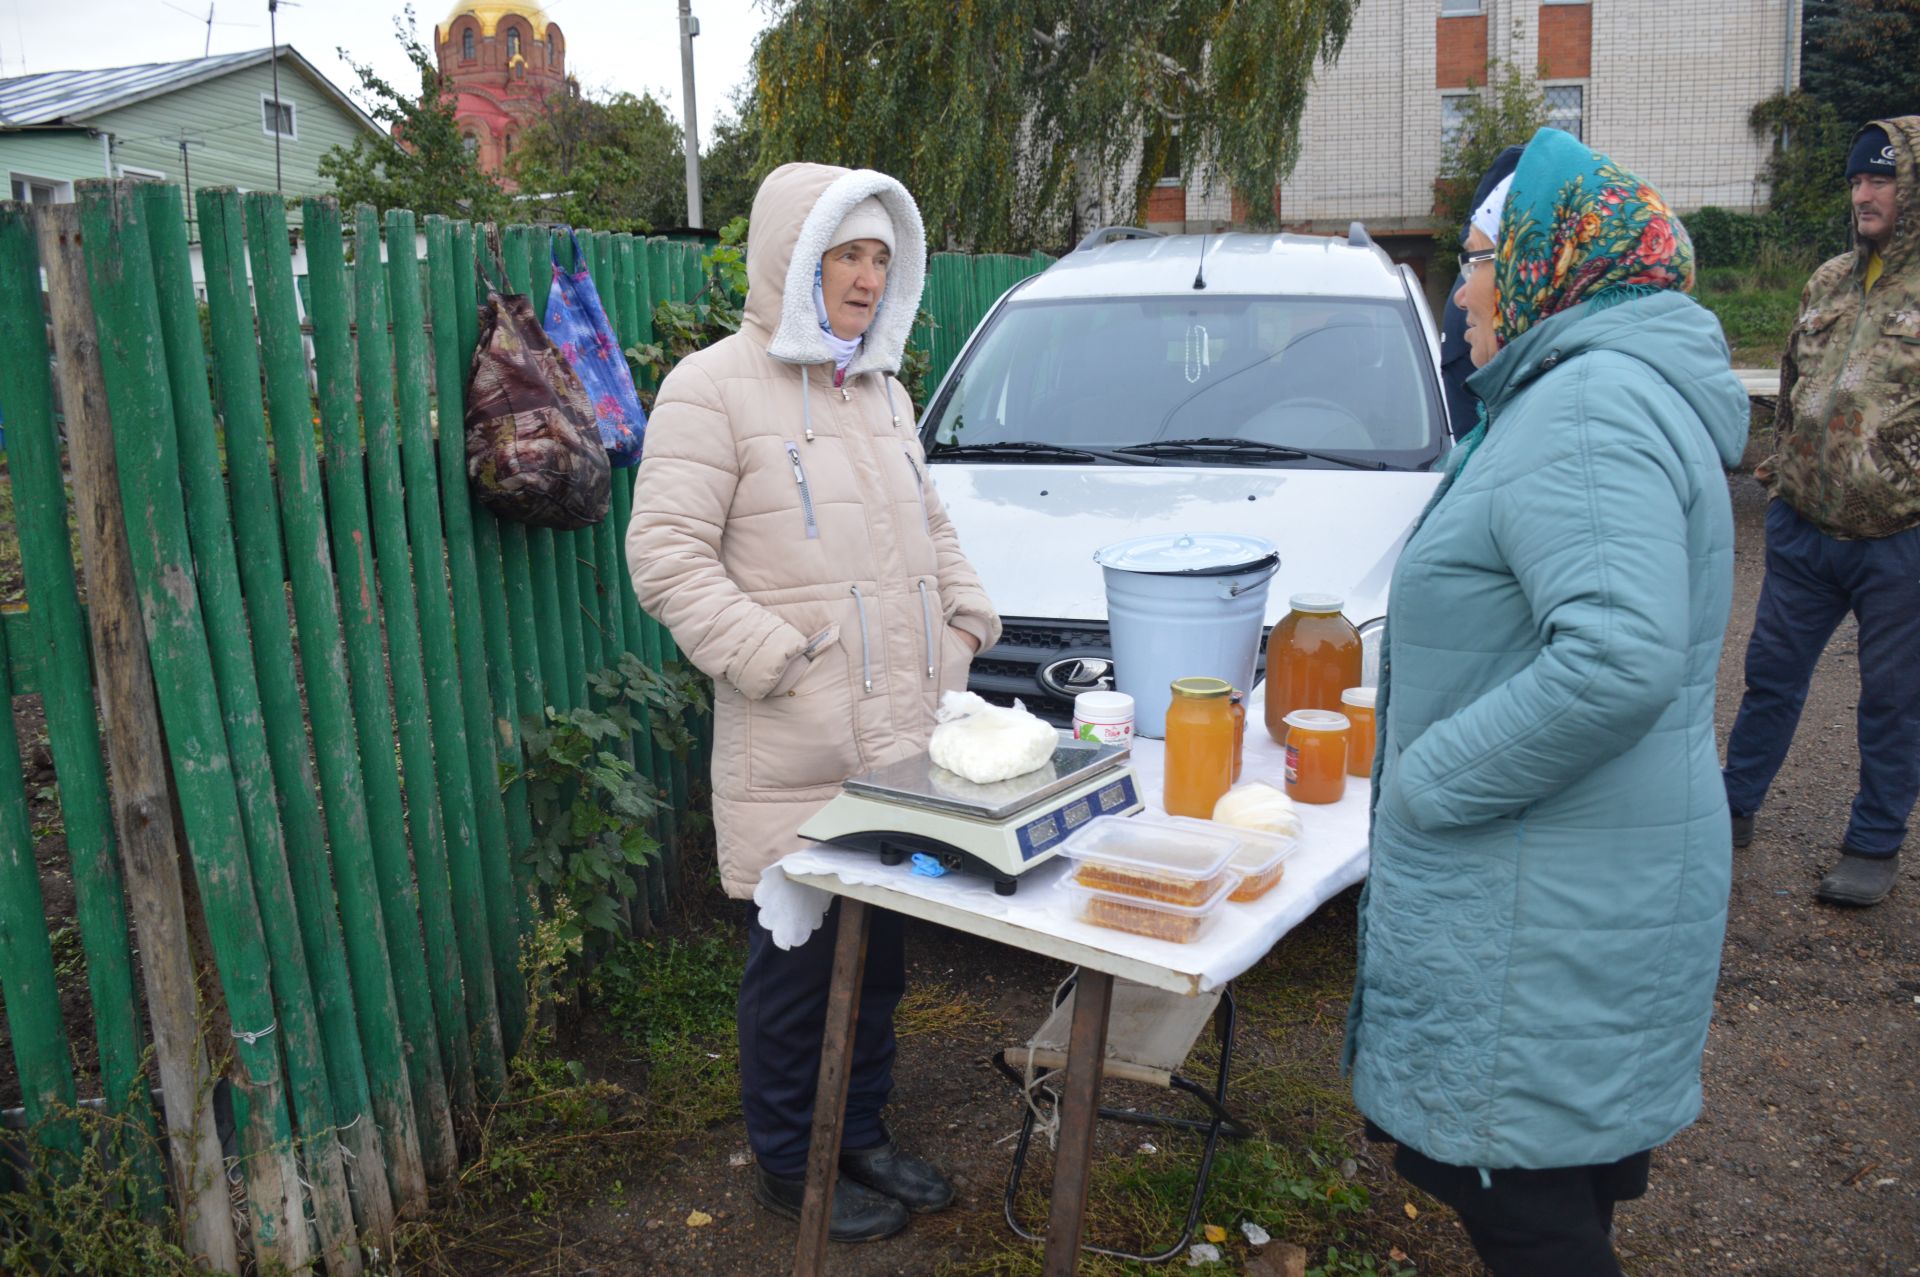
[1316, 603]
[1364, 697]
[1200, 553]
[1202, 688]
[1318, 720]
[1103, 705]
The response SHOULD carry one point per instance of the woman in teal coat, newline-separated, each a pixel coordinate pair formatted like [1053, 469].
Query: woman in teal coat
[1541, 928]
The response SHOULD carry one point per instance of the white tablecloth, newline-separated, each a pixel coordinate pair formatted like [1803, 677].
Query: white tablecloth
[1332, 857]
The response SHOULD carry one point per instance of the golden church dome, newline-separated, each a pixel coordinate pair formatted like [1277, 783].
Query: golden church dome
[489, 12]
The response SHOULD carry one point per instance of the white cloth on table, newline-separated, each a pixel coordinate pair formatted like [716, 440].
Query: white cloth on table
[1332, 857]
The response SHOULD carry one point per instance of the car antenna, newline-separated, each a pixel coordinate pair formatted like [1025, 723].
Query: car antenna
[1200, 271]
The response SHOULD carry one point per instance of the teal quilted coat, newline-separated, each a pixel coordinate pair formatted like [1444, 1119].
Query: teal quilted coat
[1541, 928]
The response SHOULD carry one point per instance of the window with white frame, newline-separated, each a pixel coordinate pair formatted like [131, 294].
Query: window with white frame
[1172, 171]
[40, 190]
[1460, 8]
[1453, 117]
[1566, 107]
[276, 118]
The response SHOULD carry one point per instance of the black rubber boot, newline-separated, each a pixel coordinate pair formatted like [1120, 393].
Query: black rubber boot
[859, 1213]
[889, 1169]
[1860, 880]
[1742, 830]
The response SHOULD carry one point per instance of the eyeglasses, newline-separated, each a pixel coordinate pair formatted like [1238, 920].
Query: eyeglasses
[1470, 260]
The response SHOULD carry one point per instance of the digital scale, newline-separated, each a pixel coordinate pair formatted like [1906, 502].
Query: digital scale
[1000, 830]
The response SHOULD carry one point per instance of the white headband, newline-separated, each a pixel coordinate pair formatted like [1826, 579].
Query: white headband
[1486, 218]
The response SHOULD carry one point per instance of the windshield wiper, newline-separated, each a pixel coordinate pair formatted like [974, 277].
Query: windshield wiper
[1024, 449]
[1250, 448]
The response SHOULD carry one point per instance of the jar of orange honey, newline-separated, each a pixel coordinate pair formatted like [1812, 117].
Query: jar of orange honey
[1239, 702]
[1312, 656]
[1317, 755]
[1357, 704]
[1199, 757]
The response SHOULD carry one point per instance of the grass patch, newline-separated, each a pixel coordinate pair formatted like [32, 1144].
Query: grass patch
[12, 580]
[74, 1216]
[674, 1000]
[943, 1009]
[1756, 303]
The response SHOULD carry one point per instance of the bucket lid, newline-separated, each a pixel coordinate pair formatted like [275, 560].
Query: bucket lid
[1318, 720]
[1364, 697]
[1194, 553]
[1316, 603]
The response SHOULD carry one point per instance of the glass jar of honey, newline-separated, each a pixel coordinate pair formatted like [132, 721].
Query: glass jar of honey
[1312, 656]
[1199, 757]
[1317, 755]
[1357, 704]
[1239, 701]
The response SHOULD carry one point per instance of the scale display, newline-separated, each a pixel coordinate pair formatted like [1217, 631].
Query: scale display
[1045, 832]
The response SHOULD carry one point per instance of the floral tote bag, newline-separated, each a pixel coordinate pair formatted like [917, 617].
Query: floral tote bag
[578, 325]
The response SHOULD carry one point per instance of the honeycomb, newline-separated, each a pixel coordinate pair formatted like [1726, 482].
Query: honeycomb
[1257, 885]
[1142, 920]
[1149, 886]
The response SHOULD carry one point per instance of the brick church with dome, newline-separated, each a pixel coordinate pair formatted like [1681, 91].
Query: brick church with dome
[502, 61]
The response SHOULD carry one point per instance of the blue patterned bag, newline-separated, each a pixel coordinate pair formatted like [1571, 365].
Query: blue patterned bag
[577, 325]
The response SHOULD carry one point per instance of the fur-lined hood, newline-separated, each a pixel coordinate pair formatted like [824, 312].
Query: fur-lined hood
[795, 213]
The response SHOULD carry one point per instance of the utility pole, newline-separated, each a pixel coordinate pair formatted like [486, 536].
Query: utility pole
[689, 28]
[273, 38]
[186, 177]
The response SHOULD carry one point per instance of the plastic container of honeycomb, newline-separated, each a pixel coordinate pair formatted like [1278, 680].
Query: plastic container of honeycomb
[1159, 919]
[1261, 860]
[1151, 859]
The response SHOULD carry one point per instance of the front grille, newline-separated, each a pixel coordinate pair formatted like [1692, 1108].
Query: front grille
[1011, 668]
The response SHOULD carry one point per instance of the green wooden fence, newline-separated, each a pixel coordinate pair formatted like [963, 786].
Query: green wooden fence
[345, 649]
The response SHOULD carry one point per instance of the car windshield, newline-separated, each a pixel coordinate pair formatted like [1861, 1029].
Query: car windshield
[1348, 377]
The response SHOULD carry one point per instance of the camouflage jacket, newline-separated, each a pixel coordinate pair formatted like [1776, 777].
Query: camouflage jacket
[1847, 430]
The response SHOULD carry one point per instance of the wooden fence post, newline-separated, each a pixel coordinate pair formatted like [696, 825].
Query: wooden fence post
[59, 638]
[346, 507]
[474, 914]
[218, 574]
[141, 807]
[263, 579]
[473, 640]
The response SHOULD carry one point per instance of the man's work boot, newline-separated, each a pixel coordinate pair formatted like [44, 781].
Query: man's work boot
[1742, 830]
[1860, 880]
[859, 1213]
[887, 1168]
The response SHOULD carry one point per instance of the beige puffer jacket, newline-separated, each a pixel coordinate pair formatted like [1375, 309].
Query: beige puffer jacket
[786, 532]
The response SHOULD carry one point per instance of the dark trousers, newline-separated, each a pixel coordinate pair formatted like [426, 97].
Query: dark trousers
[782, 1018]
[1533, 1223]
[1813, 580]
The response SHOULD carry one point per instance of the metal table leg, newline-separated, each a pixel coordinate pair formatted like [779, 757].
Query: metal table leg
[1079, 1105]
[830, 1098]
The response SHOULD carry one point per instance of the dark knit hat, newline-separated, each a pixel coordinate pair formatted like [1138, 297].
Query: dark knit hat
[1872, 153]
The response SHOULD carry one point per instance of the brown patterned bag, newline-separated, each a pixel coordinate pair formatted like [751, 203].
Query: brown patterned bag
[533, 450]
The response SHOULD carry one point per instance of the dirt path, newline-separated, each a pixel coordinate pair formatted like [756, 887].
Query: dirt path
[1804, 1162]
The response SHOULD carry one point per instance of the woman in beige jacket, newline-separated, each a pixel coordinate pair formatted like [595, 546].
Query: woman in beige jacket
[786, 532]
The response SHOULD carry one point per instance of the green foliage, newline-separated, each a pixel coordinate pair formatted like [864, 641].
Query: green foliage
[590, 807]
[1508, 111]
[1757, 302]
[1348, 1263]
[728, 175]
[674, 1000]
[1806, 170]
[1028, 121]
[427, 168]
[680, 328]
[613, 164]
[74, 1221]
[1862, 58]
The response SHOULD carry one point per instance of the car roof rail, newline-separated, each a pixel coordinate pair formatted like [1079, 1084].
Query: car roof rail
[1357, 236]
[1108, 234]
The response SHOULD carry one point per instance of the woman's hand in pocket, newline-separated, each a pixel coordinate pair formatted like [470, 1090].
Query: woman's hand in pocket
[973, 644]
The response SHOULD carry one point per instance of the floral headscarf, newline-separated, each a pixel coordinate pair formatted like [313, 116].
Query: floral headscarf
[1579, 228]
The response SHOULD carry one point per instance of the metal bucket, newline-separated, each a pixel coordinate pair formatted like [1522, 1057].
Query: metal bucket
[1180, 606]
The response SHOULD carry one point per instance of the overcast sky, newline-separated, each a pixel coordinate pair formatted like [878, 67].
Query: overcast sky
[630, 45]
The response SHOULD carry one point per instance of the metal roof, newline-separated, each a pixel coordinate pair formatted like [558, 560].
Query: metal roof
[73, 98]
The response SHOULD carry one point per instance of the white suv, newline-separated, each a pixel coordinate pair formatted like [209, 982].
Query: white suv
[1282, 386]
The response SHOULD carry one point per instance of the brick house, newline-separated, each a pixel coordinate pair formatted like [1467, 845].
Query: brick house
[1664, 88]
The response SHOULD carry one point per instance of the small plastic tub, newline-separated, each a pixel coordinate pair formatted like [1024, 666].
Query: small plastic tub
[1151, 860]
[1261, 861]
[1157, 919]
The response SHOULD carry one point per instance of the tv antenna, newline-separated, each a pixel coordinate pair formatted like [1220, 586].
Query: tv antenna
[208, 22]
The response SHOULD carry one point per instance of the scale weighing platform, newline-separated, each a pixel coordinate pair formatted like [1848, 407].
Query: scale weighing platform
[1000, 830]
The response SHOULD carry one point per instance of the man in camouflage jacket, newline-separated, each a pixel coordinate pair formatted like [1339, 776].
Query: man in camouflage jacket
[1843, 529]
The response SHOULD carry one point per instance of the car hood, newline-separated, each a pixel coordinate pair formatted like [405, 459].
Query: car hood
[1031, 530]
